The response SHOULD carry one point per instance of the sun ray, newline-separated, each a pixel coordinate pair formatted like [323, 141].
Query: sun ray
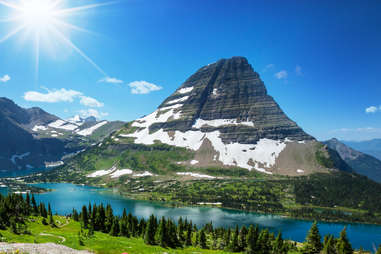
[10, 5]
[44, 21]
[80, 52]
[73, 27]
[12, 33]
[81, 8]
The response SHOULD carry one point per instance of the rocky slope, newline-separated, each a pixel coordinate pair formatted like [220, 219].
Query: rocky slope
[360, 162]
[224, 115]
[32, 138]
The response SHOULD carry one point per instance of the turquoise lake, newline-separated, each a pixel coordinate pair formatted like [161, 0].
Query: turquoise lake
[65, 197]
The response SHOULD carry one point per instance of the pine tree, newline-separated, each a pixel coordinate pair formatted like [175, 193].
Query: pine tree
[329, 245]
[227, 238]
[75, 215]
[149, 237]
[202, 240]
[34, 205]
[114, 231]
[243, 238]
[343, 246]
[161, 236]
[234, 247]
[188, 239]
[252, 238]
[124, 229]
[84, 217]
[313, 240]
[278, 247]
[263, 242]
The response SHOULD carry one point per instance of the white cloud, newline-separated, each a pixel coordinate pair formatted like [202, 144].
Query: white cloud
[5, 78]
[298, 70]
[111, 80]
[372, 109]
[281, 75]
[143, 87]
[92, 112]
[62, 95]
[90, 102]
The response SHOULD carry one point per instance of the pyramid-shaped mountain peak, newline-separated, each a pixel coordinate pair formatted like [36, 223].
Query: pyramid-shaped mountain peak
[224, 114]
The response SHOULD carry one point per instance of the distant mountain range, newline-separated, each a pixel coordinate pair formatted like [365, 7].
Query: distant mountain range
[361, 163]
[371, 147]
[32, 138]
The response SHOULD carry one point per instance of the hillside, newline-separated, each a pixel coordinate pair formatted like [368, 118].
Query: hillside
[32, 138]
[371, 147]
[361, 163]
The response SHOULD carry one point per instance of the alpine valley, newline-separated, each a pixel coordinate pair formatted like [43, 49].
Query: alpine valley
[218, 140]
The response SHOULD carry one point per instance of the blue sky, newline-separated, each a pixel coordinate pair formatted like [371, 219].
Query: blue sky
[320, 60]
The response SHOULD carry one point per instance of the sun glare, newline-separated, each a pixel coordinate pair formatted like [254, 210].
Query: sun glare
[45, 19]
[37, 14]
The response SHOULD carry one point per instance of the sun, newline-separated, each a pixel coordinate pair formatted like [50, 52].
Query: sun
[37, 14]
[46, 19]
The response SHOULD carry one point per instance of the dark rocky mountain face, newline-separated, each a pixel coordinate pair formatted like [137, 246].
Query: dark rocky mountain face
[224, 114]
[230, 89]
[361, 163]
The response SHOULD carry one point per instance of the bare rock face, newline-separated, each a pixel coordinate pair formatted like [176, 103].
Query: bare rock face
[230, 90]
[224, 114]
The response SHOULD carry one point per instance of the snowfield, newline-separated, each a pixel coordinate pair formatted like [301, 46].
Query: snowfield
[195, 175]
[89, 131]
[250, 156]
[121, 172]
[102, 172]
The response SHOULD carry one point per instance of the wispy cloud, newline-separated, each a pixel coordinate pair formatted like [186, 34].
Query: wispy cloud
[372, 109]
[5, 78]
[143, 87]
[92, 112]
[362, 129]
[298, 70]
[268, 67]
[281, 75]
[62, 95]
[111, 80]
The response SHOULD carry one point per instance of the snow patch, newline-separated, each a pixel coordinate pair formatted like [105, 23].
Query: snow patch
[178, 100]
[185, 90]
[54, 164]
[220, 122]
[145, 173]
[155, 117]
[39, 128]
[89, 131]
[215, 93]
[300, 171]
[171, 107]
[121, 172]
[102, 172]
[193, 162]
[195, 175]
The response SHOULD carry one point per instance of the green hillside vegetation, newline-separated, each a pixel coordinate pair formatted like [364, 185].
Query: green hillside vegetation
[97, 229]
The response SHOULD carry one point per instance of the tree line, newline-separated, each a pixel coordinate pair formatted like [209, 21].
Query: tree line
[15, 210]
